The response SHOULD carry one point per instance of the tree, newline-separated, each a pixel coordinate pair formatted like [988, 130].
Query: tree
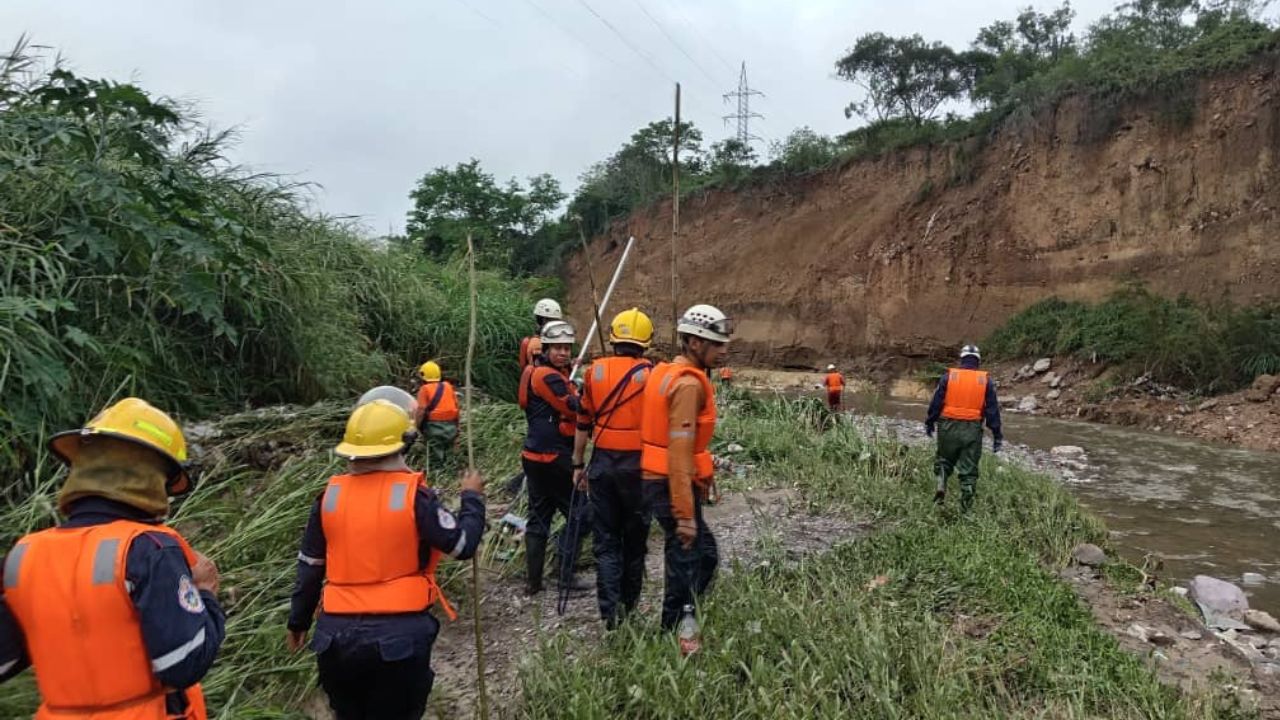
[803, 150]
[450, 203]
[904, 77]
[730, 160]
[1008, 53]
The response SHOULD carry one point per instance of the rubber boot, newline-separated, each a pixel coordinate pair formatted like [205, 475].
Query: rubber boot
[941, 493]
[535, 556]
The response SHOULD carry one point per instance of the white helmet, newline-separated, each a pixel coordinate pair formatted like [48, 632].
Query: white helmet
[392, 394]
[831, 367]
[557, 332]
[547, 309]
[707, 322]
[970, 351]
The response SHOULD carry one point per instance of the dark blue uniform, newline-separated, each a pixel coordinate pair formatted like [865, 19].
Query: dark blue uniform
[181, 641]
[379, 666]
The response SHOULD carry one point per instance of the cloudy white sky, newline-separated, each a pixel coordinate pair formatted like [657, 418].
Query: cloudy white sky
[364, 97]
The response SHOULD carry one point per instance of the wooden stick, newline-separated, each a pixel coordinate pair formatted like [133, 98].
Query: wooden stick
[675, 225]
[471, 466]
[595, 297]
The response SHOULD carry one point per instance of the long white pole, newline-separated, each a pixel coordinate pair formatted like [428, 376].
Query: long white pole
[604, 303]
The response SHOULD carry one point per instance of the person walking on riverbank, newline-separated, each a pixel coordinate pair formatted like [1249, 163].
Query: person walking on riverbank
[679, 418]
[116, 613]
[964, 399]
[437, 414]
[368, 558]
[834, 383]
[612, 397]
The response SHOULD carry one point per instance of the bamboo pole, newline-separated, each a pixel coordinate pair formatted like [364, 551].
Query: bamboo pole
[595, 296]
[675, 224]
[471, 466]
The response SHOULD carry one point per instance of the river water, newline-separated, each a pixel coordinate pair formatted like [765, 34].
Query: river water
[1205, 509]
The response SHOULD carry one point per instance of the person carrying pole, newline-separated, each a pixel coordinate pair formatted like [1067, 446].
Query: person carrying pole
[609, 416]
[834, 383]
[965, 397]
[116, 613]
[550, 403]
[678, 420]
[368, 558]
[437, 414]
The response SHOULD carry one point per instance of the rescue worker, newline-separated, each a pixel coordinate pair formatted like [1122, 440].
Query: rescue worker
[550, 405]
[965, 397]
[726, 376]
[544, 311]
[834, 383]
[116, 613]
[612, 396]
[369, 556]
[679, 417]
[437, 415]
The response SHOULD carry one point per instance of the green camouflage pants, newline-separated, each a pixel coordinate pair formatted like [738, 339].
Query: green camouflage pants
[959, 449]
[439, 438]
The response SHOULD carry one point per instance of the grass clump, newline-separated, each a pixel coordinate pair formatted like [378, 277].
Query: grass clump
[1194, 345]
[970, 623]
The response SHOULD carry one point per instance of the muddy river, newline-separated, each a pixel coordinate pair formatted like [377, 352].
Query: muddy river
[1205, 509]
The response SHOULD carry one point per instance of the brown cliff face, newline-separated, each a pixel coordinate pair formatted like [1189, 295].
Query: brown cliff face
[896, 254]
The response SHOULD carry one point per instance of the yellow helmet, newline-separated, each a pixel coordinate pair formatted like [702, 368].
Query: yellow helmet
[376, 429]
[430, 371]
[631, 326]
[136, 421]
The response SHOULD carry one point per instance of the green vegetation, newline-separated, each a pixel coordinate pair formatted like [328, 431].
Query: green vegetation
[1198, 346]
[970, 623]
[135, 260]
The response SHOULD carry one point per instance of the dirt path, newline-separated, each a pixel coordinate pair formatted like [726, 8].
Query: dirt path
[744, 524]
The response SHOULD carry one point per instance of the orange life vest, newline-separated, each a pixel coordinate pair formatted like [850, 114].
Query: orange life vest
[66, 587]
[726, 373]
[966, 394]
[533, 379]
[371, 547]
[446, 408]
[530, 348]
[613, 396]
[834, 382]
[655, 425]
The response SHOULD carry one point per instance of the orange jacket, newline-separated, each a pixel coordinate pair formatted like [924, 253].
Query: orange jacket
[550, 404]
[655, 427]
[726, 373]
[530, 348]
[611, 401]
[67, 590]
[371, 547]
[438, 401]
[966, 394]
[834, 382]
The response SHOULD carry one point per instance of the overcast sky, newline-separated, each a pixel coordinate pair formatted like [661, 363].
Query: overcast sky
[365, 97]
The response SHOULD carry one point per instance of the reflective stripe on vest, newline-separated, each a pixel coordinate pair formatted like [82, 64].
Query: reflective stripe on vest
[67, 590]
[618, 382]
[966, 394]
[655, 425]
[371, 546]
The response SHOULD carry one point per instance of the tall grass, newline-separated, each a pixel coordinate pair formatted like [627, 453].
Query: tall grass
[135, 259]
[1199, 346]
[970, 624]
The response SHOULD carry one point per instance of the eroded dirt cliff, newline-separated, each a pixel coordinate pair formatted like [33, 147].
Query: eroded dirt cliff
[934, 246]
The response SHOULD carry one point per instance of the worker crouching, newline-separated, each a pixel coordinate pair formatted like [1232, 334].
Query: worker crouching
[610, 416]
[116, 613]
[368, 557]
[965, 397]
[679, 418]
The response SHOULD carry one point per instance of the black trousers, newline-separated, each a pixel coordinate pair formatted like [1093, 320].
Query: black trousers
[550, 491]
[688, 572]
[377, 678]
[621, 532]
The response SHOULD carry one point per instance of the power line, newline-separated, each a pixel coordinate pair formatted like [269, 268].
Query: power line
[644, 56]
[705, 42]
[674, 42]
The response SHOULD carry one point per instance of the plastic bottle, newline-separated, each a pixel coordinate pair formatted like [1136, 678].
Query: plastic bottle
[690, 635]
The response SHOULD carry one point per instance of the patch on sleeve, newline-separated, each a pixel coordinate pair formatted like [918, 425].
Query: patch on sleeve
[189, 596]
[446, 519]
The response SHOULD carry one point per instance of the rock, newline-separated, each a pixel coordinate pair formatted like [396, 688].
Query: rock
[1155, 637]
[1263, 387]
[1137, 631]
[1191, 635]
[1056, 382]
[1178, 590]
[1072, 451]
[1089, 555]
[1049, 377]
[1222, 603]
[1253, 579]
[1209, 404]
[1259, 620]
[1053, 395]
[1042, 365]
[1028, 404]
[734, 448]
[1024, 372]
